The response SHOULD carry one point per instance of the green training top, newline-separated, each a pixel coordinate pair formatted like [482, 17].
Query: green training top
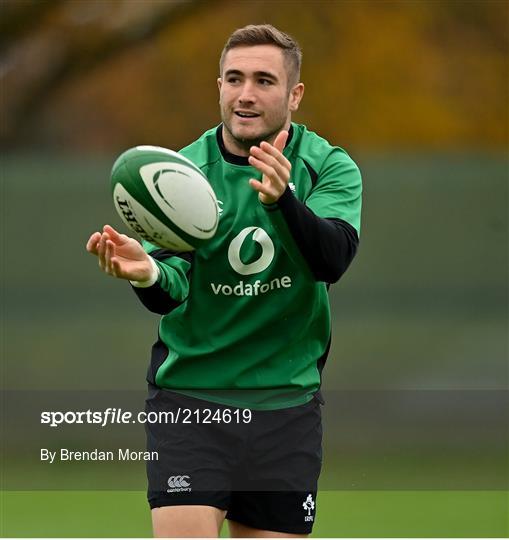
[253, 328]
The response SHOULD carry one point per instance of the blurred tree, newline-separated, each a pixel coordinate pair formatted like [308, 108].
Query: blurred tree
[105, 74]
[49, 43]
[19, 18]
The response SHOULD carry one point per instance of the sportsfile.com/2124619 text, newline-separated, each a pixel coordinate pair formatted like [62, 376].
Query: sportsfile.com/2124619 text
[181, 415]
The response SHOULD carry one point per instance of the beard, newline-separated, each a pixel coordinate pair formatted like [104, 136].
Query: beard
[245, 143]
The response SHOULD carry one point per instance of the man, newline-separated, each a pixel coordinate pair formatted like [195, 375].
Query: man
[246, 322]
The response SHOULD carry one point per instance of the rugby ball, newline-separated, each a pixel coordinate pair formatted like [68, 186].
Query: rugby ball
[164, 198]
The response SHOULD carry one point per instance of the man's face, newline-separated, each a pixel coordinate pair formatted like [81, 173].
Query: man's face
[255, 99]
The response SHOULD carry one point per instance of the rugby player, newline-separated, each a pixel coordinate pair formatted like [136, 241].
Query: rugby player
[245, 320]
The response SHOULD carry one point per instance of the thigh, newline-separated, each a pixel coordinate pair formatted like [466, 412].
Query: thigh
[190, 521]
[285, 452]
[277, 490]
[238, 530]
[194, 460]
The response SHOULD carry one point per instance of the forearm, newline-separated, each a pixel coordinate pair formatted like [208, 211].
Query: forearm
[326, 246]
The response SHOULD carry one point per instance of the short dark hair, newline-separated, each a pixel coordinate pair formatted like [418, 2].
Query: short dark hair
[266, 34]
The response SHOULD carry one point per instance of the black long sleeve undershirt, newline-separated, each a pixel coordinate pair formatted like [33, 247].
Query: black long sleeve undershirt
[328, 245]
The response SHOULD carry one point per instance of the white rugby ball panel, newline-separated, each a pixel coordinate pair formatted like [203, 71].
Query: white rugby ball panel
[184, 196]
[146, 225]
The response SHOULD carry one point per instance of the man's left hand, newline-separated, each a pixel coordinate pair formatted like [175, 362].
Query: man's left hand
[273, 165]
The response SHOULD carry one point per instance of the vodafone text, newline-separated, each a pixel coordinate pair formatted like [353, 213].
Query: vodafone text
[251, 289]
[112, 415]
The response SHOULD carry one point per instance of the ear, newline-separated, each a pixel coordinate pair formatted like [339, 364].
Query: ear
[296, 94]
[219, 83]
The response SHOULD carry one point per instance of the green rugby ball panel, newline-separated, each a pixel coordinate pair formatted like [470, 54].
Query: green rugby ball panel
[164, 198]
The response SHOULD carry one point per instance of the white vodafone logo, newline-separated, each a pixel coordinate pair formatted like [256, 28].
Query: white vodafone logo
[261, 238]
[252, 286]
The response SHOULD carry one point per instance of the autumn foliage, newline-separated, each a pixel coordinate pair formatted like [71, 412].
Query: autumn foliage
[101, 76]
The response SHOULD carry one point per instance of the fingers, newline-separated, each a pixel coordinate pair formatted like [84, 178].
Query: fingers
[271, 186]
[101, 252]
[273, 157]
[115, 236]
[269, 159]
[273, 165]
[92, 243]
[119, 255]
[106, 254]
[281, 139]
[267, 192]
[110, 261]
[116, 268]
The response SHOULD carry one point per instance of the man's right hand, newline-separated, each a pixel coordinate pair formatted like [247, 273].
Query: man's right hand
[120, 256]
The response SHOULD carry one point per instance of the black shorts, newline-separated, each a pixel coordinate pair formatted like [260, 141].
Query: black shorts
[263, 472]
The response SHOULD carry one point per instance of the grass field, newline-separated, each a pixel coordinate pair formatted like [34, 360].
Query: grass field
[417, 374]
[340, 514]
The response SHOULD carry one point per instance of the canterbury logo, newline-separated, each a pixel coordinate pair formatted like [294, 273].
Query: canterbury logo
[178, 482]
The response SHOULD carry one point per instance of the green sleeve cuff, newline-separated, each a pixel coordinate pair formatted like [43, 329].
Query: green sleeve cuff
[173, 277]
